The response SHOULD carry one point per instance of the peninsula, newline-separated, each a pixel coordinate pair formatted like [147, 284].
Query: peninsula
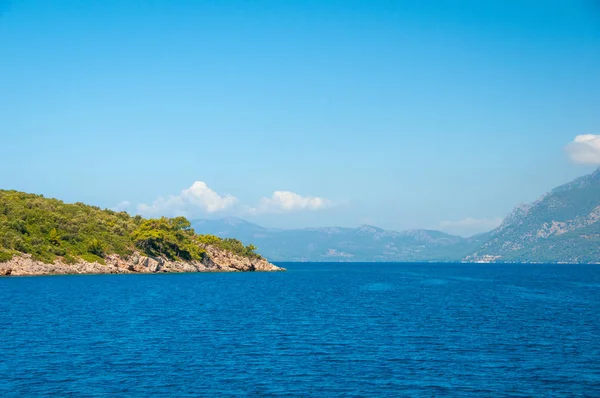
[41, 236]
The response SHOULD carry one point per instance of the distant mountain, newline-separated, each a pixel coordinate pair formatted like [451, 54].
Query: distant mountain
[562, 226]
[366, 243]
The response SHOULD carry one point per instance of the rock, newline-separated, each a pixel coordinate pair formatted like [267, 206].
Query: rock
[214, 260]
[221, 260]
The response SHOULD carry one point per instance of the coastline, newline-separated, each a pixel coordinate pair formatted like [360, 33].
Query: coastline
[215, 260]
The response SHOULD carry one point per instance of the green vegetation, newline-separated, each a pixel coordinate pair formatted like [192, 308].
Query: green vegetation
[49, 229]
[172, 238]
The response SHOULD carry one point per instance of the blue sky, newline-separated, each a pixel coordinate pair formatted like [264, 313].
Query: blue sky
[401, 114]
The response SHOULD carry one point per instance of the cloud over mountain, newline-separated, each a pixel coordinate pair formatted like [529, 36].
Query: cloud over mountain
[196, 199]
[471, 225]
[199, 199]
[122, 206]
[286, 201]
[585, 149]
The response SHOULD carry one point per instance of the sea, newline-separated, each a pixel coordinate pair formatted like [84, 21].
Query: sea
[319, 329]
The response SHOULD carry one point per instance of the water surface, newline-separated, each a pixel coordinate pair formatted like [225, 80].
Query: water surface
[318, 329]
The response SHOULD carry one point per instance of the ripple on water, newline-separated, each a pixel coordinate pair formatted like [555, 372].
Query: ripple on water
[434, 282]
[377, 287]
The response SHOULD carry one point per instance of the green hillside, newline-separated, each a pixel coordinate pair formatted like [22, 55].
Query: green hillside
[49, 229]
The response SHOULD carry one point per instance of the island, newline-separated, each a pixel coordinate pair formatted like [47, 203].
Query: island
[43, 236]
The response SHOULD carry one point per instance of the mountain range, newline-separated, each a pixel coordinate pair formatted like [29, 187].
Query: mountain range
[561, 226]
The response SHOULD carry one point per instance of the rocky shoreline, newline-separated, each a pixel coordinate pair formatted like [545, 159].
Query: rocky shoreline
[215, 260]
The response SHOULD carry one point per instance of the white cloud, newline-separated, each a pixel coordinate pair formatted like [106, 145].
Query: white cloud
[122, 206]
[585, 149]
[199, 200]
[471, 225]
[196, 199]
[286, 201]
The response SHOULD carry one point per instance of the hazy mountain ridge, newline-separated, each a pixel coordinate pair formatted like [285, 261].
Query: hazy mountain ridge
[563, 225]
[365, 243]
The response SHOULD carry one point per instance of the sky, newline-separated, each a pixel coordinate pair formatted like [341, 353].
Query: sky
[400, 114]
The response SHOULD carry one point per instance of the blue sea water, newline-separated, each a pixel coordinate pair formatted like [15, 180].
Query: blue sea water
[318, 329]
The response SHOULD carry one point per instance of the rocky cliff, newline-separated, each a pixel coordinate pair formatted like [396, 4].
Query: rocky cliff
[215, 260]
[561, 226]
